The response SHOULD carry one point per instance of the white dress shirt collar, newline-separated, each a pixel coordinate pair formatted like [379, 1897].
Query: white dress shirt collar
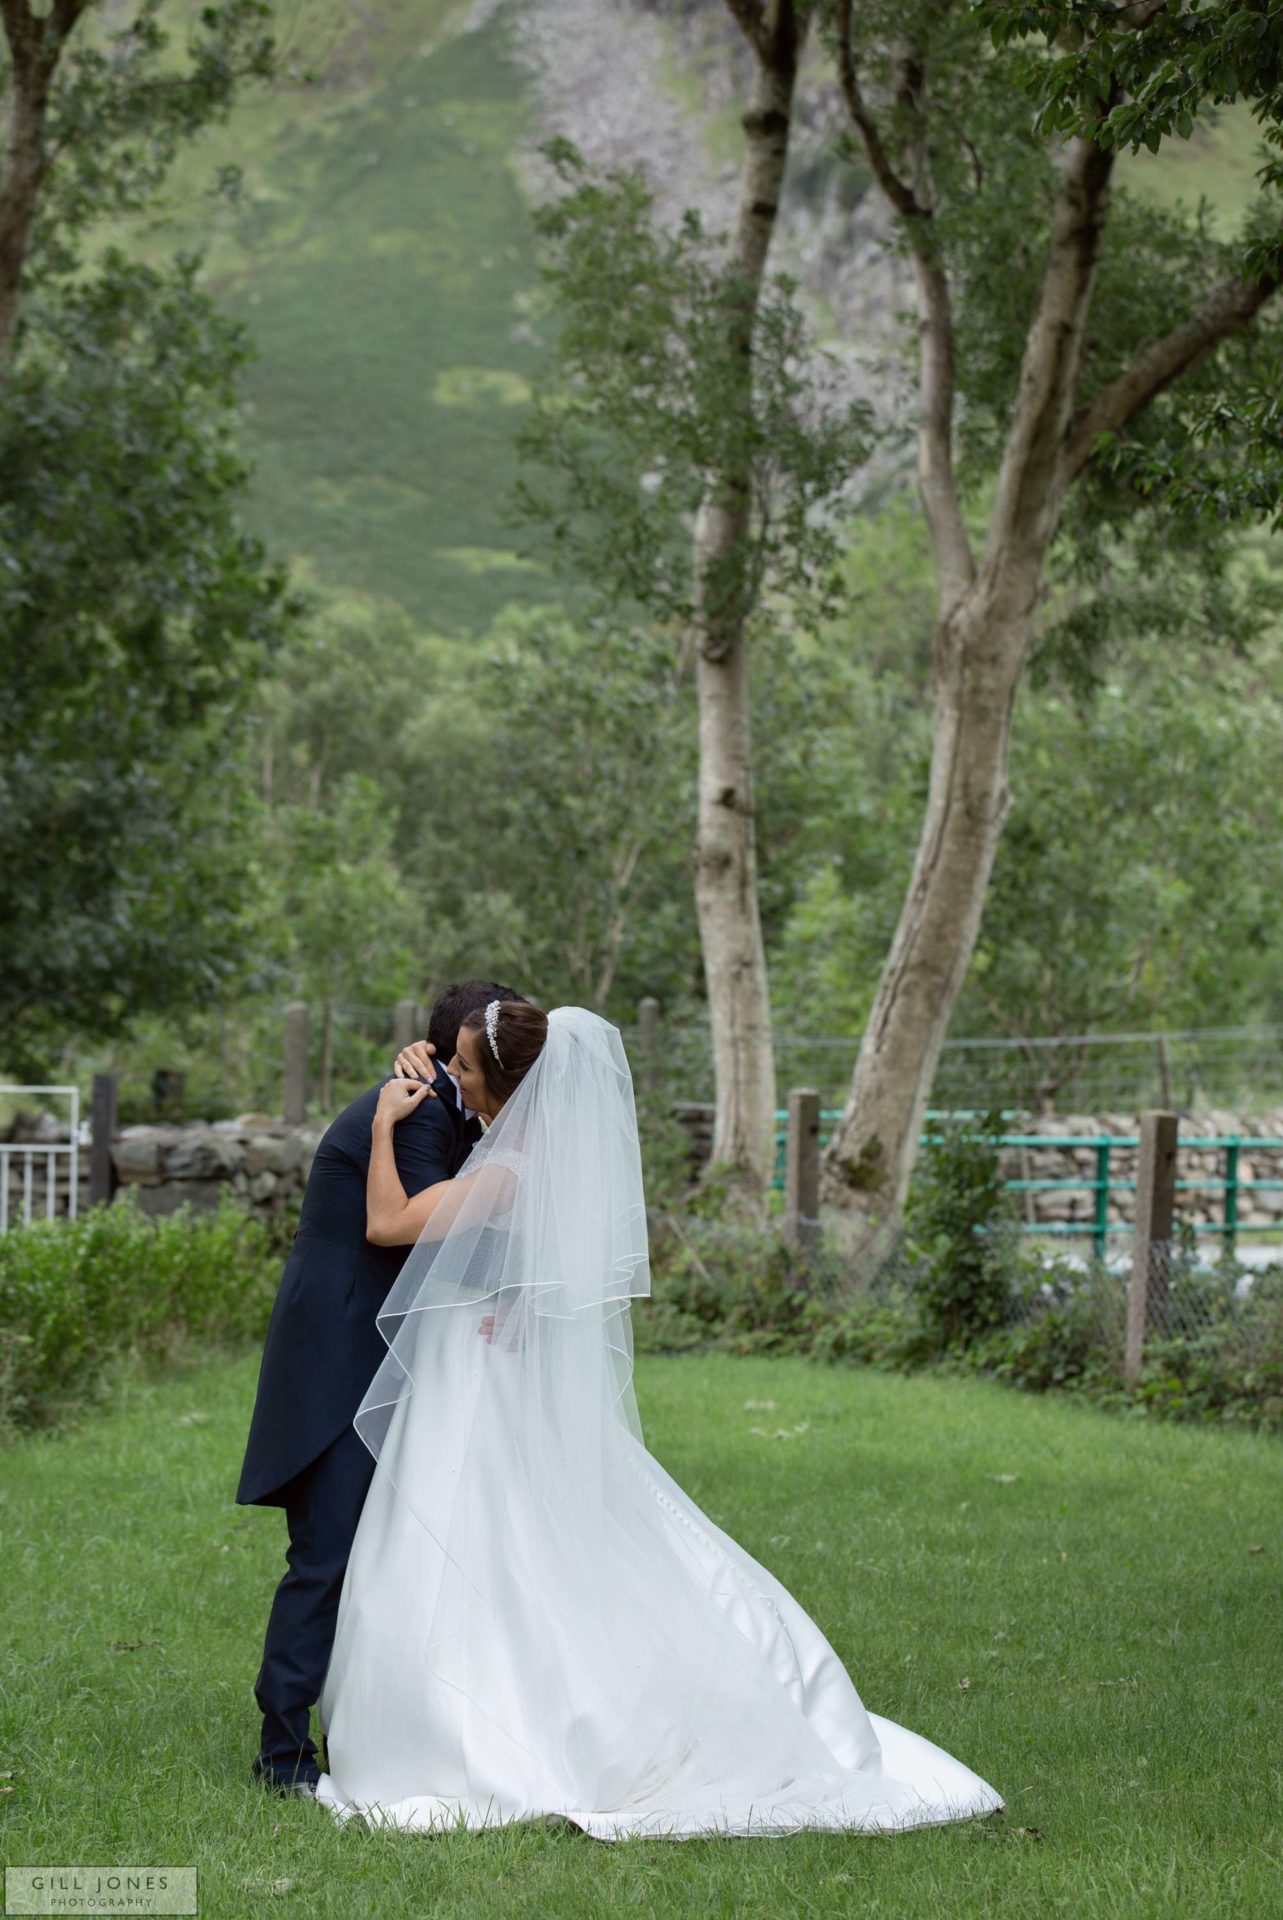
[467, 1112]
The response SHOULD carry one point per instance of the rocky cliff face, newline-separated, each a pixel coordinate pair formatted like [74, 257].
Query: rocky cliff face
[636, 87]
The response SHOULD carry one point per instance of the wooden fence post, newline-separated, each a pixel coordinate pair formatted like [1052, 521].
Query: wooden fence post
[648, 1042]
[102, 1125]
[802, 1172]
[405, 1026]
[1164, 1071]
[295, 1104]
[1151, 1258]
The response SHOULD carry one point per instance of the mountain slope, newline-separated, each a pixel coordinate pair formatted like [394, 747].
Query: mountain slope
[382, 256]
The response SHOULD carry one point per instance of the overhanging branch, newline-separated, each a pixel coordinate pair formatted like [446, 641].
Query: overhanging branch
[1230, 308]
[897, 191]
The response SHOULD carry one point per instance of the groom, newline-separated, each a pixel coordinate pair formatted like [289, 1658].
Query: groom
[323, 1348]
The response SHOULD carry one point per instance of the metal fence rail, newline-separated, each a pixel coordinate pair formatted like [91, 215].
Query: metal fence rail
[1102, 1184]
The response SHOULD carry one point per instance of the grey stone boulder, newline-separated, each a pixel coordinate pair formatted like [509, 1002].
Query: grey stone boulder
[201, 1155]
[266, 1153]
[135, 1152]
[201, 1195]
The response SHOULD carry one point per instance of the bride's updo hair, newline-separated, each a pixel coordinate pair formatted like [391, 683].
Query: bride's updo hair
[520, 1031]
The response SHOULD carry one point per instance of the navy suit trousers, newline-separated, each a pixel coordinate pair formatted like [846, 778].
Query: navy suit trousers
[322, 1507]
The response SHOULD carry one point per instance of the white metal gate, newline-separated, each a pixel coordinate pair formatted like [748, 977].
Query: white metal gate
[30, 1169]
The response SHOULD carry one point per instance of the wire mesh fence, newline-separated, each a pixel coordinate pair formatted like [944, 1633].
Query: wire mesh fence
[223, 1062]
[712, 1266]
[1194, 1071]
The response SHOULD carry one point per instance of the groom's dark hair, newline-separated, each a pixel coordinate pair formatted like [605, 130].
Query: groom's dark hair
[455, 1005]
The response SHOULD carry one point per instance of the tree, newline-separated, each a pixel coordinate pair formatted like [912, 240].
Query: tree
[1132, 889]
[691, 465]
[93, 128]
[135, 612]
[1118, 365]
[550, 853]
[1134, 886]
[349, 923]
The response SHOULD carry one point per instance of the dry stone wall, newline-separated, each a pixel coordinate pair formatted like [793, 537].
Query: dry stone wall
[1203, 1204]
[265, 1164]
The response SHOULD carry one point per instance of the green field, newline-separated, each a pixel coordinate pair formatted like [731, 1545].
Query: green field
[382, 259]
[1084, 1609]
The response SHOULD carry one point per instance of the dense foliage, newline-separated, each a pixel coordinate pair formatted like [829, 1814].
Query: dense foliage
[135, 615]
[210, 804]
[1060, 1327]
[135, 608]
[81, 1299]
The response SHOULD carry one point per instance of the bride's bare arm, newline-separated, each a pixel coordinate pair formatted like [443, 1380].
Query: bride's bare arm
[392, 1217]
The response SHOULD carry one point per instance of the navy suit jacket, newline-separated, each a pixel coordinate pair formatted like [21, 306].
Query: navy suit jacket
[323, 1347]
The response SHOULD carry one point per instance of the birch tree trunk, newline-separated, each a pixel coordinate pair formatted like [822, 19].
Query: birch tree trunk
[730, 925]
[986, 607]
[871, 1153]
[726, 848]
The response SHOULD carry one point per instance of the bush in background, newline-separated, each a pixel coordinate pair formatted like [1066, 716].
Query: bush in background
[958, 1219]
[77, 1297]
[1059, 1327]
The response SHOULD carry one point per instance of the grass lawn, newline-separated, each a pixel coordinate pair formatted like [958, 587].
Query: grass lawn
[1084, 1609]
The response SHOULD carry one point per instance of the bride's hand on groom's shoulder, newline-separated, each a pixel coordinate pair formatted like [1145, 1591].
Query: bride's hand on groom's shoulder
[398, 1098]
[417, 1062]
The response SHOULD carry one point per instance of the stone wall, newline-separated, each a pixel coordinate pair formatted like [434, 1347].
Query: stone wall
[1204, 1205]
[261, 1161]
[265, 1164]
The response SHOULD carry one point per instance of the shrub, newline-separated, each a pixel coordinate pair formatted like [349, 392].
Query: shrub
[957, 1216]
[717, 1285]
[712, 1280]
[75, 1296]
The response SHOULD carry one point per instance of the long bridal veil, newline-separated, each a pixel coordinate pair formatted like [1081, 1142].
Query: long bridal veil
[536, 1619]
[544, 1246]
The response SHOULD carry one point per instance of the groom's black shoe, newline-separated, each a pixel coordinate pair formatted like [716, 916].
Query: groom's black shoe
[303, 1780]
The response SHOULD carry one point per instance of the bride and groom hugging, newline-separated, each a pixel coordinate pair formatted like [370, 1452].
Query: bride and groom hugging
[323, 1349]
[500, 1603]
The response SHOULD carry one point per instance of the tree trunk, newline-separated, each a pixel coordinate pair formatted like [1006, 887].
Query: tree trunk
[979, 655]
[731, 928]
[986, 609]
[726, 846]
[981, 646]
[35, 44]
[24, 168]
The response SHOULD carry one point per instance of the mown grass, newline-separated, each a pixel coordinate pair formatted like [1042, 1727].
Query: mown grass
[1108, 1592]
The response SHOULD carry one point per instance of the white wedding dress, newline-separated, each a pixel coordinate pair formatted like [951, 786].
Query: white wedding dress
[535, 1620]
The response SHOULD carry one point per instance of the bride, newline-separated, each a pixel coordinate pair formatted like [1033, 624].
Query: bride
[535, 1620]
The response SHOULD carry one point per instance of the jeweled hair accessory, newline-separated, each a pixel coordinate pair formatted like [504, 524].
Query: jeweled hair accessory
[492, 1028]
